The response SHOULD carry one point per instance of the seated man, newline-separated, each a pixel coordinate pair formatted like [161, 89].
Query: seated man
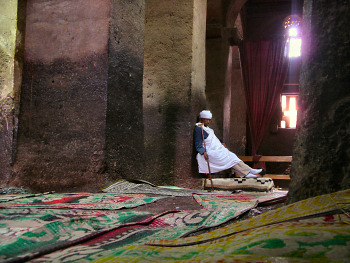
[211, 151]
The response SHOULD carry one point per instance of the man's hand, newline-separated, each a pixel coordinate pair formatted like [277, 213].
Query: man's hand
[206, 156]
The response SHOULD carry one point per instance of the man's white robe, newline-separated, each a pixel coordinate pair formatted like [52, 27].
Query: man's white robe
[220, 158]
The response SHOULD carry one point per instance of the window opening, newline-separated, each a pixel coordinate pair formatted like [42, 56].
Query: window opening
[289, 103]
[292, 26]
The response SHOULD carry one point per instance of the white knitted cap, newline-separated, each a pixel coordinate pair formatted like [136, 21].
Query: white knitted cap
[205, 114]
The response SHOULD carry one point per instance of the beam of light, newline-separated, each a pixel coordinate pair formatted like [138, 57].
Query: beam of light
[292, 104]
[284, 103]
[283, 124]
[294, 47]
[290, 113]
[293, 32]
[293, 119]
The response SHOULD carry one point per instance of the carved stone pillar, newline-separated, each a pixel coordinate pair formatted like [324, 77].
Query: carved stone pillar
[12, 16]
[174, 84]
[321, 158]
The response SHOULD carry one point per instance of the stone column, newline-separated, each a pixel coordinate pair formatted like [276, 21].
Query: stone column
[234, 132]
[124, 124]
[61, 142]
[174, 85]
[12, 26]
[321, 158]
[217, 90]
[237, 126]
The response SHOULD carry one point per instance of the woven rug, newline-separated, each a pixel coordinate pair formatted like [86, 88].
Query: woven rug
[81, 201]
[23, 237]
[32, 225]
[330, 203]
[246, 184]
[228, 200]
[168, 226]
[66, 219]
[14, 221]
[11, 197]
[312, 230]
[38, 224]
[125, 186]
[320, 239]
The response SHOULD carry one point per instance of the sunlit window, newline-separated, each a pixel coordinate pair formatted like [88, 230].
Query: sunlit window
[289, 105]
[292, 25]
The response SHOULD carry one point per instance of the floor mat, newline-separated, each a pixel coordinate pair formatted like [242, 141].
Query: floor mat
[11, 197]
[316, 229]
[40, 224]
[15, 221]
[80, 201]
[220, 200]
[125, 186]
[32, 241]
[320, 239]
[34, 225]
[168, 226]
[319, 205]
[246, 184]
[312, 230]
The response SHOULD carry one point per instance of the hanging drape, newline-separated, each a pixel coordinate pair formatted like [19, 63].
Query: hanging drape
[264, 69]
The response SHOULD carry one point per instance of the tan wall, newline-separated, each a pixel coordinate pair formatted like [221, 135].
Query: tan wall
[173, 80]
[63, 96]
[186, 166]
[225, 93]
[66, 29]
[8, 28]
[10, 80]
[124, 121]
[198, 82]
[238, 120]
[216, 61]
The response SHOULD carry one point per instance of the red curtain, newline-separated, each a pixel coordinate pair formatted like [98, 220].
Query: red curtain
[264, 69]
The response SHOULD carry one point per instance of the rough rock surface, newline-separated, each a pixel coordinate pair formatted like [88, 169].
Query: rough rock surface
[321, 159]
[61, 144]
[174, 84]
[124, 122]
[12, 26]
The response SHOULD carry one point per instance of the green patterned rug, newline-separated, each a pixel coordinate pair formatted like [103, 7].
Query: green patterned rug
[220, 200]
[60, 228]
[312, 230]
[31, 225]
[125, 186]
[88, 201]
[168, 226]
[320, 239]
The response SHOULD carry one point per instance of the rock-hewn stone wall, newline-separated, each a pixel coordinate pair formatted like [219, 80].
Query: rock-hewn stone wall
[169, 93]
[216, 62]
[224, 89]
[124, 124]
[85, 117]
[238, 120]
[321, 159]
[12, 17]
[236, 126]
[186, 167]
[61, 143]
